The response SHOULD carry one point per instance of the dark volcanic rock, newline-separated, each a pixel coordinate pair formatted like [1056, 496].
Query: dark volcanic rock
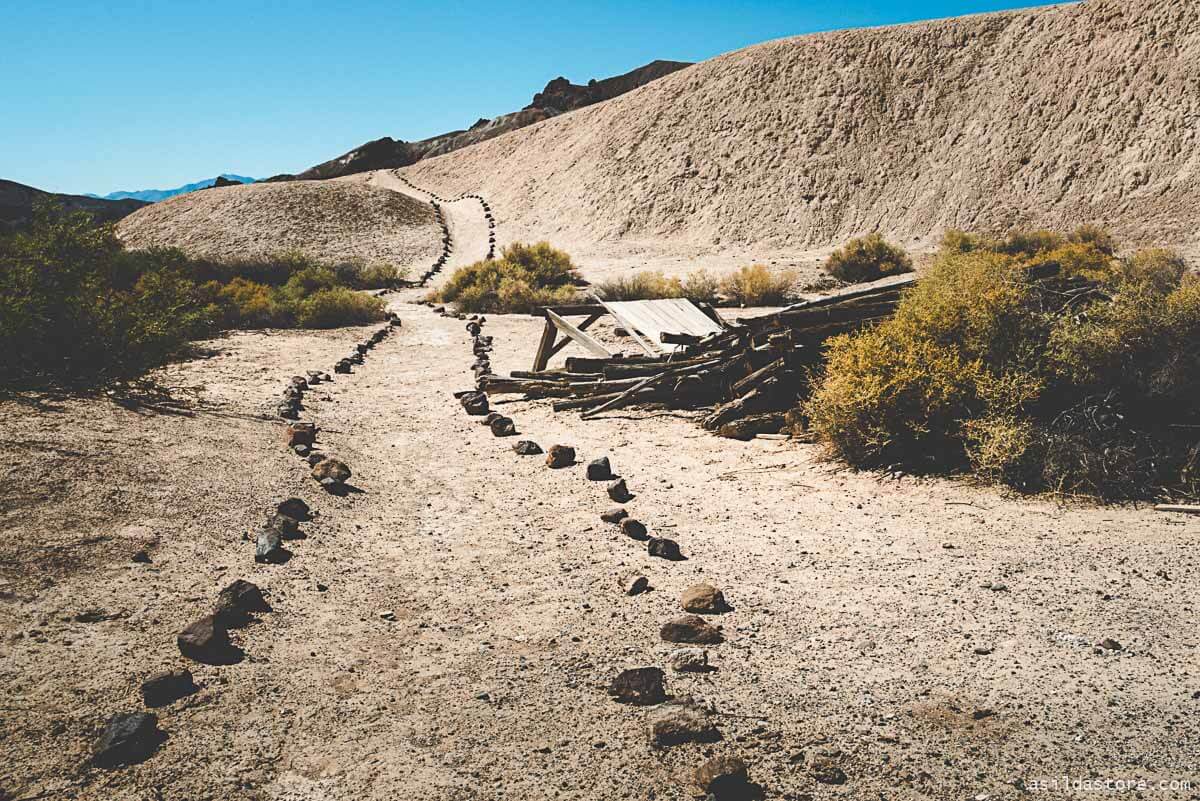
[165, 688]
[642, 686]
[237, 603]
[503, 427]
[691, 629]
[128, 739]
[207, 641]
[527, 447]
[560, 456]
[634, 529]
[294, 508]
[664, 549]
[618, 491]
[599, 469]
[334, 470]
[724, 777]
[287, 527]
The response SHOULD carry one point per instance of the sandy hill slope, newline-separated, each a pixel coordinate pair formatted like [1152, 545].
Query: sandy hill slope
[1048, 117]
[17, 202]
[327, 220]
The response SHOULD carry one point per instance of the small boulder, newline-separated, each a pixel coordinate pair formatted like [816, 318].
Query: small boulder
[167, 687]
[334, 470]
[342, 366]
[527, 447]
[237, 603]
[300, 434]
[474, 403]
[691, 629]
[127, 740]
[689, 660]
[683, 721]
[614, 515]
[287, 527]
[723, 777]
[314, 459]
[294, 508]
[704, 599]
[664, 549]
[599, 469]
[560, 456]
[634, 529]
[503, 427]
[635, 585]
[268, 547]
[301, 450]
[207, 641]
[618, 491]
[287, 411]
[642, 686]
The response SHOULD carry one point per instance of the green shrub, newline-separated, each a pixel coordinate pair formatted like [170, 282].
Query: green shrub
[1081, 382]
[75, 308]
[246, 304]
[524, 278]
[868, 258]
[757, 286]
[339, 306]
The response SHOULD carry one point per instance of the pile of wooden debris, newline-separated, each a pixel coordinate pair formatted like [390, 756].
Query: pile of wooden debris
[748, 375]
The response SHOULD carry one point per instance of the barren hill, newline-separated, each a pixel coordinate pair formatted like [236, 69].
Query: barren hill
[327, 220]
[1049, 117]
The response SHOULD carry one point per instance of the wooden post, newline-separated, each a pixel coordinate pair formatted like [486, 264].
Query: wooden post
[549, 334]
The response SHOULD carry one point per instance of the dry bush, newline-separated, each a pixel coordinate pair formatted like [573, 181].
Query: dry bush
[338, 306]
[867, 258]
[699, 287]
[1083, 382]
[524, 278]
[757, 286]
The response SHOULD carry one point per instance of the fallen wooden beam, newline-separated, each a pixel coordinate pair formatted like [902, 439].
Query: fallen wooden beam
[1181, 508]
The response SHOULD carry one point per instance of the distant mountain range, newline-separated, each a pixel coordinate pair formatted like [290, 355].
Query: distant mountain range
[17, 202]
[559, 96]
[155, 195]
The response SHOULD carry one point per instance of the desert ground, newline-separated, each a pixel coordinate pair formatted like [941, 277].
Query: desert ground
[450, 627]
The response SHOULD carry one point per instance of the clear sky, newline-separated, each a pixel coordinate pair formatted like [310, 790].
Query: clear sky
[101, 96]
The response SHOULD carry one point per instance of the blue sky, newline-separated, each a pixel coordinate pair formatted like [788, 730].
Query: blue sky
[134, 95]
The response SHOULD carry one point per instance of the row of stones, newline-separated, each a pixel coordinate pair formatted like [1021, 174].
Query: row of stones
[673, 722]
[437, 202]
[129, 738]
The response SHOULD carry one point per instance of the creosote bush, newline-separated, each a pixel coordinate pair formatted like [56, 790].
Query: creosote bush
[77, 309]
[867, 258]
[699, 287]
[524, 278]
[1039, 360]
[758, 286]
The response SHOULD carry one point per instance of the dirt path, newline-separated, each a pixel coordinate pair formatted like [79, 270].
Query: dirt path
[449, 630]
[466, 216]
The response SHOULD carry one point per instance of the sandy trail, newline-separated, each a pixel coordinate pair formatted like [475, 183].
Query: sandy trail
[465, 217]
[854, 630]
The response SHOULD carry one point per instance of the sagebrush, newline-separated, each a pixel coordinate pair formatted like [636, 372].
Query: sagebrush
[1040, 360]
[524, 278]
[867, 258]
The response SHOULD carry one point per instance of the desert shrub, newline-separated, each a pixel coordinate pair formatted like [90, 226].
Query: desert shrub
[1079, 379]
[645, 285]
[524, 278]
[867, 258]
[338, 306]
[246, 304]
[757, 286]
[76, 308]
